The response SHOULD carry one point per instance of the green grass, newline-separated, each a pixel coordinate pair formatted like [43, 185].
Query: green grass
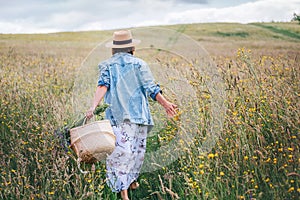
[280, 30]
[232, 34]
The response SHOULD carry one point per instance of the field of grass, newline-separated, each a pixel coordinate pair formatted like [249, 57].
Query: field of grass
[255, 157]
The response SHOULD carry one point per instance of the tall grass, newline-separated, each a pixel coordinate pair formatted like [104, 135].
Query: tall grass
[256, 157]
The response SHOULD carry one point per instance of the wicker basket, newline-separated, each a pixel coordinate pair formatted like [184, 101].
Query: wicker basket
[93, 142]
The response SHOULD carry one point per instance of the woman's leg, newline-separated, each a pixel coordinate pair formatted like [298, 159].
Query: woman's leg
[124, 195]
[134, 185]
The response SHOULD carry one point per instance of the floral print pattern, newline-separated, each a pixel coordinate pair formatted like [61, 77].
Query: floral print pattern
[124, 164]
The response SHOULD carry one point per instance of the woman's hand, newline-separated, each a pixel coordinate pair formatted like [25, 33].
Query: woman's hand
[171, 109]
[90, 113]
[99, 94]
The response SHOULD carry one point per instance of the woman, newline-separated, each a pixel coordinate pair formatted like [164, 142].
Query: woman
[125, 82]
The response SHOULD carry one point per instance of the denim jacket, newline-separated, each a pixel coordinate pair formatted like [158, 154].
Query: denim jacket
[129, 82]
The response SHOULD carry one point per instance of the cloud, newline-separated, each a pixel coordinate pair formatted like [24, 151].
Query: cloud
[90, 26]
[258, 11]
[192, 1]
[25, 26]
[69, 15]
[16, 16]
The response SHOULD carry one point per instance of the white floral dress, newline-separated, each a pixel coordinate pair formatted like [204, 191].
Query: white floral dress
[124, 164]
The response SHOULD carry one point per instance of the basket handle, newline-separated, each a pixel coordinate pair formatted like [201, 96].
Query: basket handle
[85, 120]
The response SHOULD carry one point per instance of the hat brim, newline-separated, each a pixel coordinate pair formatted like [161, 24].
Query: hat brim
[132, 44]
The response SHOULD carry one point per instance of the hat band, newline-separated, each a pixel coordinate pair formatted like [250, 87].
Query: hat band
[122, 42]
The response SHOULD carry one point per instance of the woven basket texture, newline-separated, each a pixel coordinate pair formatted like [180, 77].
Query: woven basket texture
[94, 141]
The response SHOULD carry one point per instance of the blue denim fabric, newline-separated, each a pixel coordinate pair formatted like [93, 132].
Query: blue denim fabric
[129, 82]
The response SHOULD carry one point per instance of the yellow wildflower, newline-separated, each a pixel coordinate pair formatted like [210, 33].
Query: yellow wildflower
[211, 156]
[291, 189]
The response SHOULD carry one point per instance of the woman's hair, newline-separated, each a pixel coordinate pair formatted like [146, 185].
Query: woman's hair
[125, 50]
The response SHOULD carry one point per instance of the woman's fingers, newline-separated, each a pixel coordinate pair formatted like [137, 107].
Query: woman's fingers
[89, 114]
[171, 110]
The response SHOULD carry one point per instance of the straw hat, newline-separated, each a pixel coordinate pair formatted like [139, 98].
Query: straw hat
[122, 39]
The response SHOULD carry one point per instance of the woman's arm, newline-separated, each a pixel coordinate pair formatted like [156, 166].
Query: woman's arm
[169, 107]
[99, 94]
[153, 89]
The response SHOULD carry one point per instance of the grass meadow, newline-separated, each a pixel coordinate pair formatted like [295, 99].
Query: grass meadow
[255, 157]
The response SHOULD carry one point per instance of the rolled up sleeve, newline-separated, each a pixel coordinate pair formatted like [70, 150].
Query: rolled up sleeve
[149, 84]
[104, 76]
[154, 91]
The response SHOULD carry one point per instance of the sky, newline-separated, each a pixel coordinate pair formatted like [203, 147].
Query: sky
[45, 16]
